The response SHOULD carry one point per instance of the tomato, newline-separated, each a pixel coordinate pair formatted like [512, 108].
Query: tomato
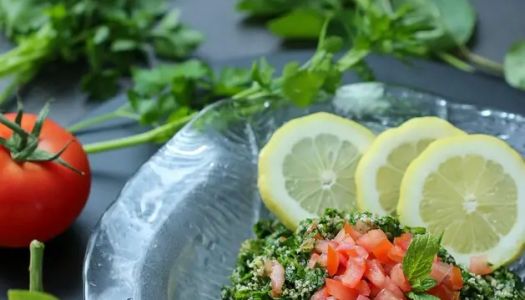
[339, 290]
[455, 279]
[403, 241]
[361, 297]
[354, 272]
[398, 277]
[385, 294]
[396, 254]
[332, 261]
[363, 288]
[40, 200]
[381, 251]
[442, 292]
[440, 270]
[351, 231]
[479, 265]
[375, 273]
[371, 239]
[321, 294]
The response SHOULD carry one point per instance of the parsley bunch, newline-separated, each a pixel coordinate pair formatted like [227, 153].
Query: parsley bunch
[109, 35]
[438, 29]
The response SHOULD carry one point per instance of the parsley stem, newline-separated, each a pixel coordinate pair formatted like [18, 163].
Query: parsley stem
[153, 135]
[36, 262]
[121, 112]
[456, 62]
[483, 62]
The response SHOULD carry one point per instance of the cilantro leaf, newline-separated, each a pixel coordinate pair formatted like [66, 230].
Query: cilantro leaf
[515, 65]
[418, 260]
[298, 24]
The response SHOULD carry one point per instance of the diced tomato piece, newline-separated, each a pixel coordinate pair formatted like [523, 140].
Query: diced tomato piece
[361, 297]
[323, 260]
[343, 259]
[392, 287]
[321, 294]
[314, 260]
[455, 279]
[374, 290]
[375, 273]
[386, 294]
[363, 288]
[440, 270]
[371, 239]
[479, 265]
[381, 251]
[388, 267]
[276, 273]
[332, 261]
[398, 277]
[403, 240]
[358, 251]
[396, 254]
[341, 235]
[321, 246]
[349, 229]
[355, 269]
[442, 292]
[339, 290]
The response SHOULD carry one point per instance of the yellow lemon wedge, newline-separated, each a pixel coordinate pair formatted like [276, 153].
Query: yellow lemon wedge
[309, 165]
[471, 189]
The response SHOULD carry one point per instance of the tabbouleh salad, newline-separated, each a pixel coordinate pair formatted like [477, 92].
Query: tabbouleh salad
[281, 264]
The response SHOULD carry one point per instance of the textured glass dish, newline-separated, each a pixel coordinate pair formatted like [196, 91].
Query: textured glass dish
[175, 230]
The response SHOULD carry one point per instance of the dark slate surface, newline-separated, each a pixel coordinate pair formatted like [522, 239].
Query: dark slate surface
[228, 38]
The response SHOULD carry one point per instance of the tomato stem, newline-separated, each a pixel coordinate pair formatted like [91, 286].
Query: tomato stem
[36, 283]
[153, 135]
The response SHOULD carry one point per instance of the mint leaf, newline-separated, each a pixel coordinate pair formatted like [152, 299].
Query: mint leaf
[415, 296]
[418, 260]
[515, 65]
[423, 285]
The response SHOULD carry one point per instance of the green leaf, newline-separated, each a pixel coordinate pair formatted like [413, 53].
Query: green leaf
[264, 8]
[298, 24]
[423, 285]
[22, 16]
[301, 86]
[419, 257]
[124, 45]
[101, 35]
[415, 296]
[262, 72]
[514, 65]
[29, 295]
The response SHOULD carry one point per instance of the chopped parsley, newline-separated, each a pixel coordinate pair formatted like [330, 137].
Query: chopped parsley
[292, 250]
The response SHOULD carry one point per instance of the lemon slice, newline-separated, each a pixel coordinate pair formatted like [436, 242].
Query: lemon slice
[309, 164]
[471, 189]
[379, 173]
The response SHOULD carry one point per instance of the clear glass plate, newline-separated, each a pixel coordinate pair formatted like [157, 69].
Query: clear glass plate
[175, 230]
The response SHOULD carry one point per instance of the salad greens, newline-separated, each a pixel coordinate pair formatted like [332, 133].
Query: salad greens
[403, 28]
[293, 249]
[111, 36]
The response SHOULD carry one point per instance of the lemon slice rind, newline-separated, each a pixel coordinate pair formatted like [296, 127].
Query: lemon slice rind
[271, 159]
[410, 132]
[493, 149]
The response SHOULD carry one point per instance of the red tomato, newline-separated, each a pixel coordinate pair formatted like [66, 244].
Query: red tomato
[396, 254]
[381, 251]
[442, 292]
[363, 288]
[361, 297]
[398, 277]
[479, 265]
[371, 239]
[351, 231]
[403, 241]
[455, 279]
[321, 294]
[440, 270]
[332, 261]
[375, 273]
[355, 270]
[386, 294]
[40, 200]
[339, 290]
[394, 289]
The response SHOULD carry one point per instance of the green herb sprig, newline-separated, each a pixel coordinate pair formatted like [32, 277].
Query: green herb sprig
[110, 36]
[436, 29]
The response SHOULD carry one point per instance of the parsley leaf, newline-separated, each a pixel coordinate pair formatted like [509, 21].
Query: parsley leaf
[418, 260]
